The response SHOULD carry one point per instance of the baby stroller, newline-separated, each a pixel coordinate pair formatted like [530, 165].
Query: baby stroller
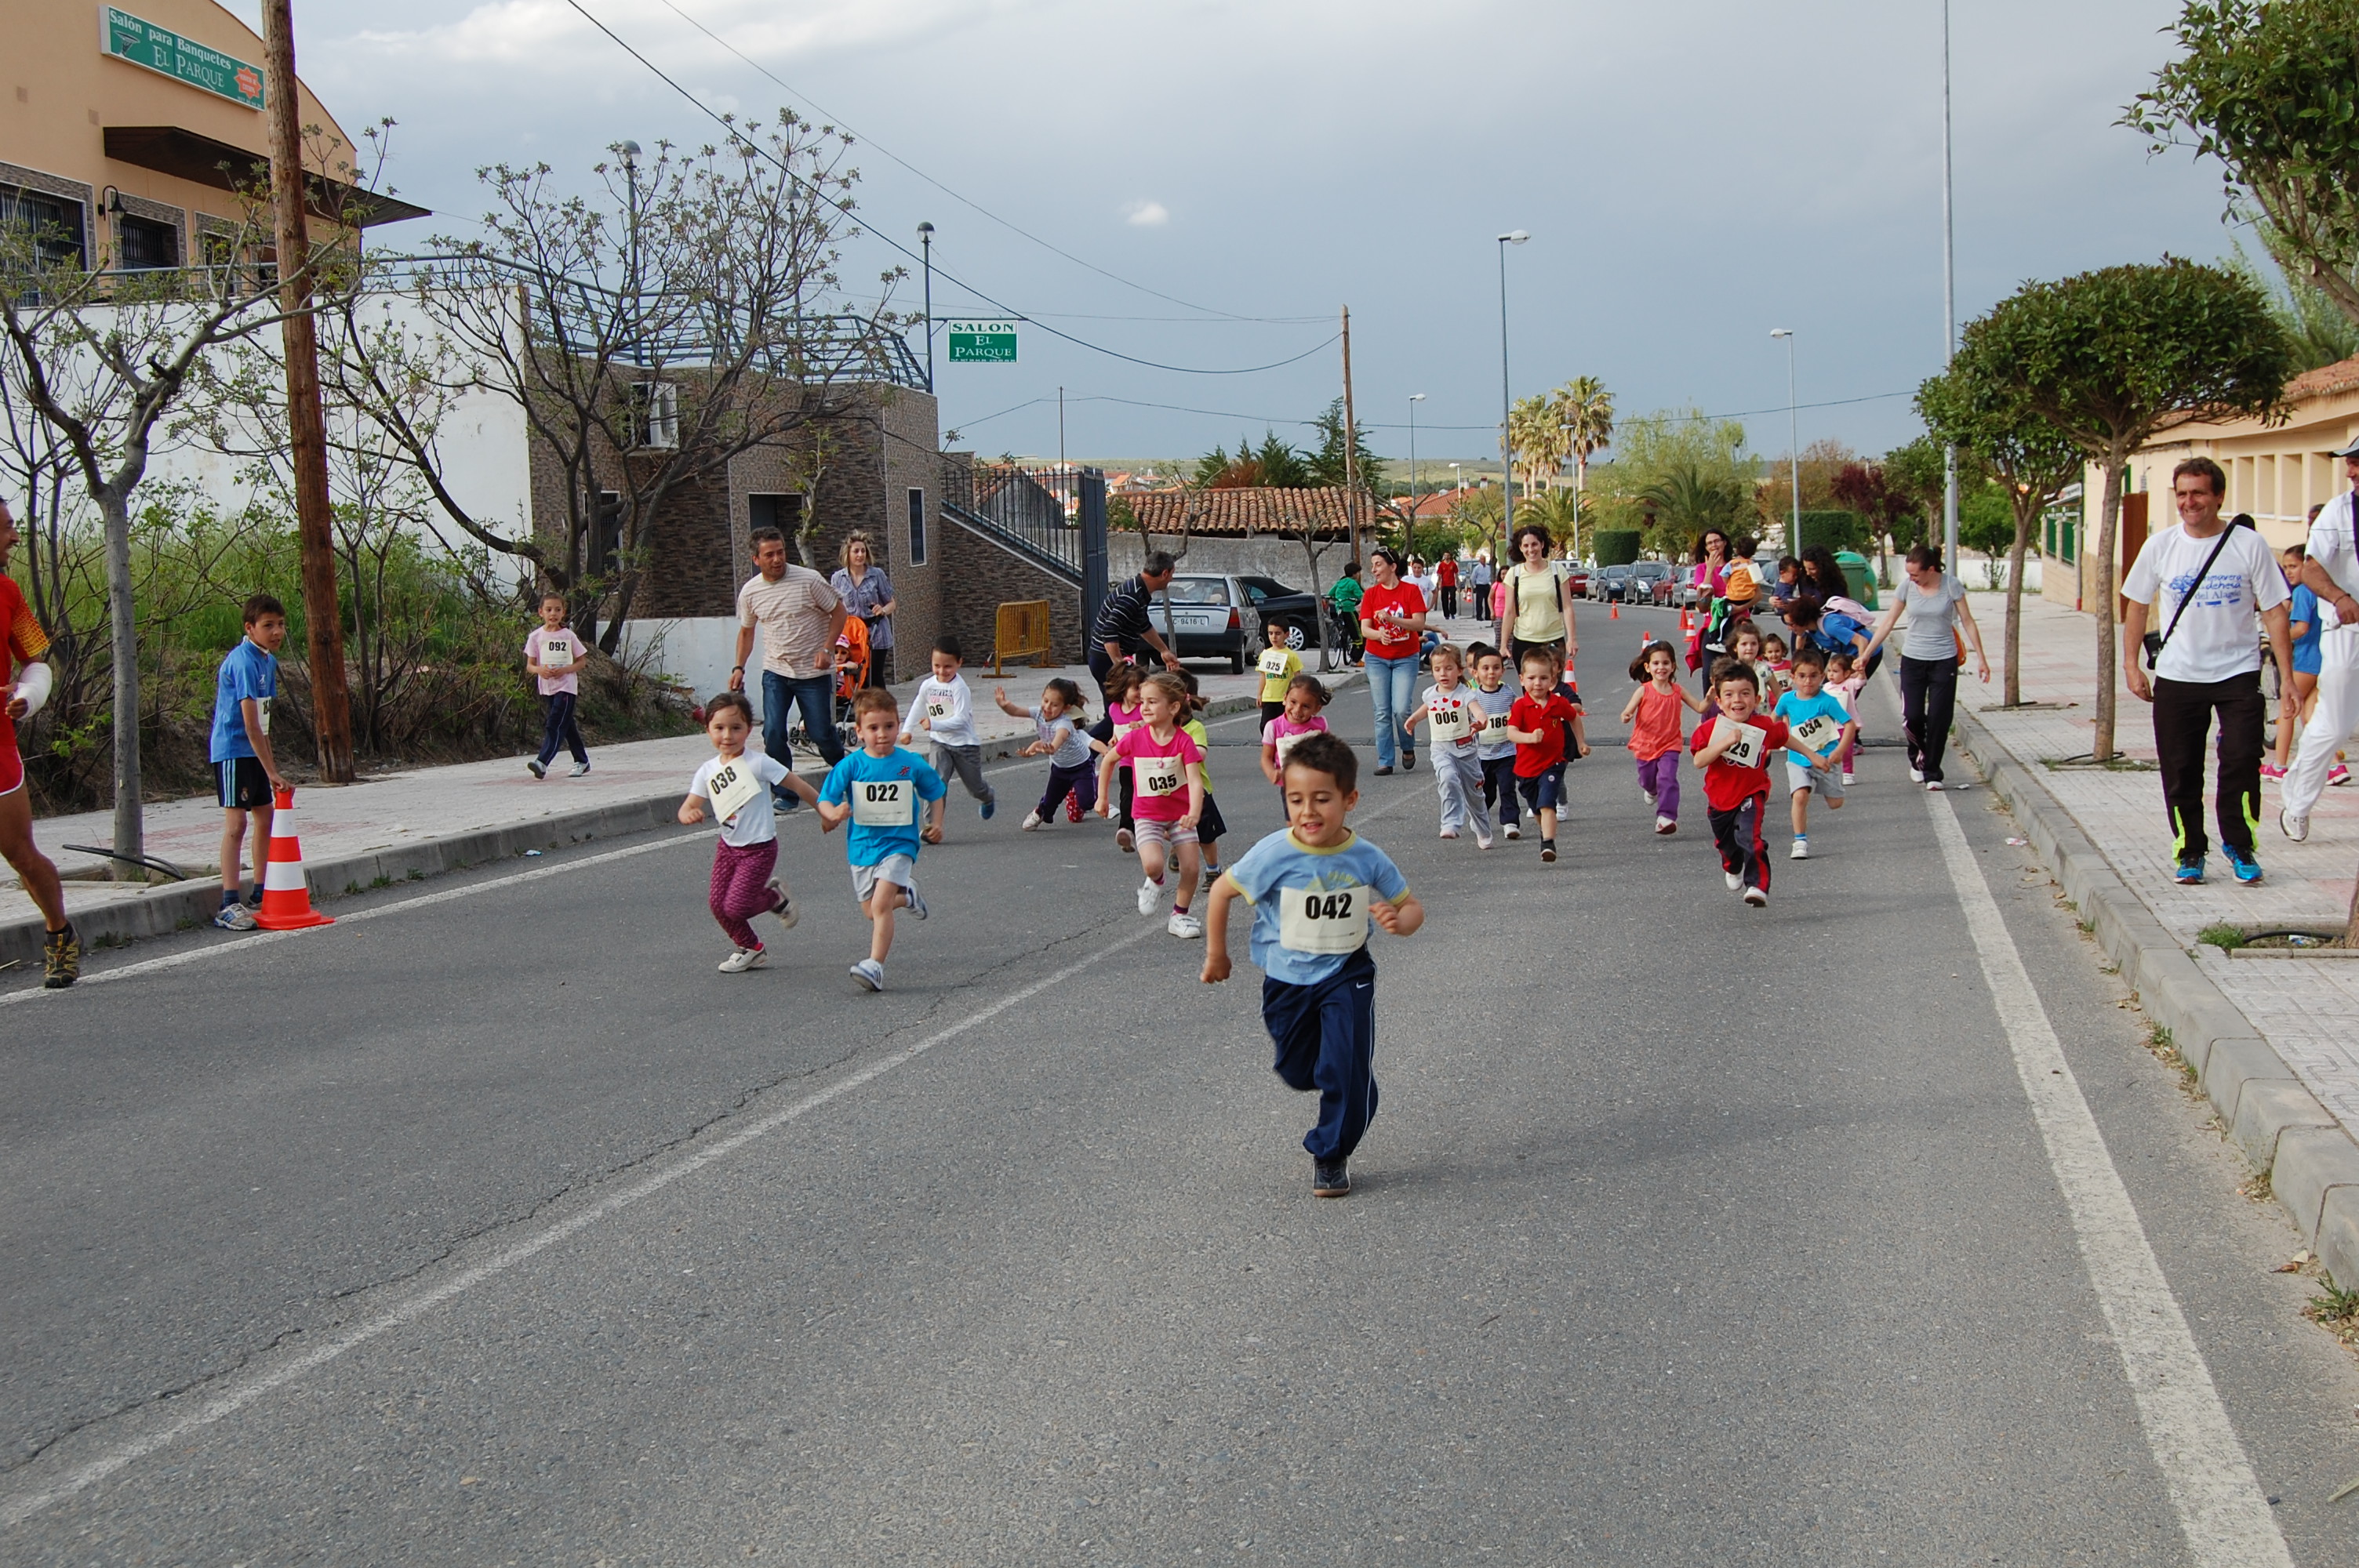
[853, 656]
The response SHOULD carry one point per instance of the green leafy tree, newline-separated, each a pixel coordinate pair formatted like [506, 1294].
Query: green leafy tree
[1324, 462]
[1680, 448]
[1540, 441]
[2314, 324]
[1557, 511]
[2114, 357]
[1688, 499]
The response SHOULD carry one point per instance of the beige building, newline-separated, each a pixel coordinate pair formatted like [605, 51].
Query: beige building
[116, 121]
[2276, 472]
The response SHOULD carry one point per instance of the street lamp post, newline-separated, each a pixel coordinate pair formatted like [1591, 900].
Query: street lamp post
[1506, 398]
[1414, 399]
[925, 244]
[1949, 307]
[1793, 437]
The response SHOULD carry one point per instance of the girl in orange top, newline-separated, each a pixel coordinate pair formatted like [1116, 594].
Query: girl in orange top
[1653, 715]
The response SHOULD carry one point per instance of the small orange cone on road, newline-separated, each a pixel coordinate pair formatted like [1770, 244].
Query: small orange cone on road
[285, 896]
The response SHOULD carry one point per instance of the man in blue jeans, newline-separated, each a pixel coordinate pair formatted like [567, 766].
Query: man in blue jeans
[799, 616]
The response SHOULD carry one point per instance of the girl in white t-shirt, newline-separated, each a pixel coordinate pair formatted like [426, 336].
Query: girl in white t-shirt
[736, 785]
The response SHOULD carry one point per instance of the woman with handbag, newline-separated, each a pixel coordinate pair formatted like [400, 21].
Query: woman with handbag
[866, 592]
[1931, 650]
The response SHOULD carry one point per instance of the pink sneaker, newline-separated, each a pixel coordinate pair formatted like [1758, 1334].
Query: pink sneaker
[2340, 775]
[2271, 771]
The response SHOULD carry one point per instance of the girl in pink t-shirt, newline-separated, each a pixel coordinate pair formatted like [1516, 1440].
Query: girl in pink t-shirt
[1167, 774]
[1306, 696]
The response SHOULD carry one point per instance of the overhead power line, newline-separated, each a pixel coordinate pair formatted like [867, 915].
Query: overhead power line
[1271, 420]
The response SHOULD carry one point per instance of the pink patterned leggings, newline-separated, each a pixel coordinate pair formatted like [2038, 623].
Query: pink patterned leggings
[741, 887]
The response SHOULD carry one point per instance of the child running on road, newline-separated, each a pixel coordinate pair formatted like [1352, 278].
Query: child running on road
[1315, 887]
[1734, 750]
[1167, 797]
[1278, 665]
[552, 656]
[1655, 738]
[877, 789]
[1539, 723]
[1493, 752]
[1455, 719]
[736, 785]
[1845, 681]
[1821, 731]
[1212, 827]
[1057, 724]
[949, 724]
[1306, 699]
[1122, 716]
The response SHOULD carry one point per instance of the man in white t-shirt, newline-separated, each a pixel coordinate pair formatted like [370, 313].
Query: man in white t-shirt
[2332, 572]
[798, 616]
[2208, 583]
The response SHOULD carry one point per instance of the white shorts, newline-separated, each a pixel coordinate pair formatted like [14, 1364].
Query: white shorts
[1825, 782]
[900, 869]
[1144, 831]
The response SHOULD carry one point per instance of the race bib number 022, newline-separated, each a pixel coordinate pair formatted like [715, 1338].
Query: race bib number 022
[883, 803]
[1324, 920]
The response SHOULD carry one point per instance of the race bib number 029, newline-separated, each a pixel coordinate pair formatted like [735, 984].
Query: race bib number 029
[1159, 776]
[733, 785]
[1817, 734]
[1324, 920]
[883, 803]
[1744, 751]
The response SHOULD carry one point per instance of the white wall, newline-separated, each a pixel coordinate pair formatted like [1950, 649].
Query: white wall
[697, 652]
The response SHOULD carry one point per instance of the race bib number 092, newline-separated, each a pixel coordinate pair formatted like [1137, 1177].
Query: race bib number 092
[1324, 920]
[557, 654]
[883, 803]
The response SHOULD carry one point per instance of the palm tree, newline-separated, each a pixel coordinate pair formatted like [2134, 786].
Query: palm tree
[1585, 411]
[1685, 502]
[1538, 442]
[1557, 511]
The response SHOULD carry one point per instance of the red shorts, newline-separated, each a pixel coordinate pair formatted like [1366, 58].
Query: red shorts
[12, 766]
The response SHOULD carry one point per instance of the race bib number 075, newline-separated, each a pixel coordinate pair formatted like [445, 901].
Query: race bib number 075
[883, 803]
[1324, 920]
[1273, 662]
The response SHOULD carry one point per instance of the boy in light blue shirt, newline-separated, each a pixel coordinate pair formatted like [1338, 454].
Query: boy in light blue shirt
[878, 790]
[1816, 727]
[246, 772]
[1314, 889]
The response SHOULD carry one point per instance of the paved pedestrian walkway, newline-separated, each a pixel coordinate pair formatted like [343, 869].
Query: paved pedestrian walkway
[2308, 1009]
[393, 811]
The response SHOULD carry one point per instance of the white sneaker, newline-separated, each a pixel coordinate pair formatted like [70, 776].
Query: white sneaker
[1123, 841]
[2294, 827]
[1515, 831]
[1449, 833]
[1183, 925]
[1916, 775]
[1850, 777]
[1666, 825]
[1801, 848]
[1032, 822]
[1649, 794]
[1734, 880]
[234, 916]
[914, 905]
[1482, 840]
[870, 974]
[1756, 897]
[579, 769]
[1932, 787]
[741, 959]
[1150, 896]
[785, 911]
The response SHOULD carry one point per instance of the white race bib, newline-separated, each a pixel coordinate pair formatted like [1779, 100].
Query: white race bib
[1448, 718]
[1324, 920]
[1287, 742]
[1745, 750]
[262, 714]
[1495, 729]
[1158, 775]
[1121, 730]
[557, 654]
[1273, 662]
[938, 708]
[883, 803]
[1817, 734]
[733, 785]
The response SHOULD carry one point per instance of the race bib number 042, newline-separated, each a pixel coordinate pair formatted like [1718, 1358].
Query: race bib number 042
[1324, 920]
[733, 785]
[883, 803]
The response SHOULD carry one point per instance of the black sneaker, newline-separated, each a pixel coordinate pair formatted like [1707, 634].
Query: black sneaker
[1408, 762]
[61, 958]
[1330, 1178]
[1548, 849]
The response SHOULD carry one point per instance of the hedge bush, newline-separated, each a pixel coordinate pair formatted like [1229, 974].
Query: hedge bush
[1835, 530]
[1616, 546]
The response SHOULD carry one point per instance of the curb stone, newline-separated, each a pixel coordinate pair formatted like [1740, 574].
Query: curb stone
[161, 911]
[2311, 1159]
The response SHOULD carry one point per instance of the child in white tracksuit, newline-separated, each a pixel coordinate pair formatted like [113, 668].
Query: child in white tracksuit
[1454, 719]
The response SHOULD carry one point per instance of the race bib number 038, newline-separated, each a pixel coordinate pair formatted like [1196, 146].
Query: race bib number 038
[1324, 920]
[1817, 734]
[1744, 751]
[733, 785]
[883, 803]
[1159, 776]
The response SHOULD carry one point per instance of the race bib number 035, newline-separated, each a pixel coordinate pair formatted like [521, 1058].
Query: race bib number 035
[1159, 776]
[883, 803]
[1744, 751]
[1324, 920]
[733, 785]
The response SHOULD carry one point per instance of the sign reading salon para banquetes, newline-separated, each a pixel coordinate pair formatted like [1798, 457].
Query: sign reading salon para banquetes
[126, 37]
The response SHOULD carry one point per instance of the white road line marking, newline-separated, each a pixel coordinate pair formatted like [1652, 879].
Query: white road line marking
[244, 1391]
[2222, 1509]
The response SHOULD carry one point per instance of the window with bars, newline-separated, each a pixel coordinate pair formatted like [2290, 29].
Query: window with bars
[56, 223]
[917, 525]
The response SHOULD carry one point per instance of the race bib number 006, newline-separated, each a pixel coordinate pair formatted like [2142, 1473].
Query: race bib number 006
[883, 803]
[1817, 734]
[1324, 920]
[1159, 776]
[733, 785]
[1449, 721]
[1744, 751]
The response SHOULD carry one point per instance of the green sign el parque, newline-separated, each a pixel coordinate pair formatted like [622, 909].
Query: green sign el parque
[982, 342]
[126, 37]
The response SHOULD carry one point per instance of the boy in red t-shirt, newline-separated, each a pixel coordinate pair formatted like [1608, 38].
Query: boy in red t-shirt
[1735, 751]
[1536, 724]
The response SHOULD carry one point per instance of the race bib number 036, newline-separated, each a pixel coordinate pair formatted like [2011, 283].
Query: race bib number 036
[733, 785]
[1744, 751]
[1159, 776]
[1817, 734]
[883, 803]
[1324, 920]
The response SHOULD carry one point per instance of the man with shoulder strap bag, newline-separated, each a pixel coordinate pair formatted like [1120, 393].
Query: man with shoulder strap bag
[2331, 571]
[2211, 581]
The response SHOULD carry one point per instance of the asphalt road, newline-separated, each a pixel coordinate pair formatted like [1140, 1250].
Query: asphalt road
[498, 1227]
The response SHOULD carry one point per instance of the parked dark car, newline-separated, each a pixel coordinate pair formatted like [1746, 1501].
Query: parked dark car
[1645, 579]
[1289, 607]
[1610, 584]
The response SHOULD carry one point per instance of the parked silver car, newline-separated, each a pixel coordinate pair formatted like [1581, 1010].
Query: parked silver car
[1211, 615]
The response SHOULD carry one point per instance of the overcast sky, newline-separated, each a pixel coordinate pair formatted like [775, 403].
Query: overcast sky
[1693, 173]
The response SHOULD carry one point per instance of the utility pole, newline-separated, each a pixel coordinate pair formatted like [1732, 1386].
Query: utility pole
[307, 434]
[1351, 444]
[1948, 310]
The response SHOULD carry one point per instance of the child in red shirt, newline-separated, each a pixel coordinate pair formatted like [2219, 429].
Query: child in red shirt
[1735, 751]
[1536, 724]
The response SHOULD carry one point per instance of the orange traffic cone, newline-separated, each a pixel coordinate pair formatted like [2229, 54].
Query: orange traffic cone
[1616, 612]
[1687, 623]
[285, 896]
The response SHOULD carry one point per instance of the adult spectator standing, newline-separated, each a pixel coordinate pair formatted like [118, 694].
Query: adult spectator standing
[799, 616]
[1539, 599]
[1939, 617]
[866, 592]
[24, 687]
[2330, 570]
[1126, 627]
[2206, 582]
[1445, 579]
[1392, 623]
[1478, 584]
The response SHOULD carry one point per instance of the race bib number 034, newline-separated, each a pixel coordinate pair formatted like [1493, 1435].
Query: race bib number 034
[883, 803]
[733, 785]
[1324, 920]
[1159, 776]
[1817, 734]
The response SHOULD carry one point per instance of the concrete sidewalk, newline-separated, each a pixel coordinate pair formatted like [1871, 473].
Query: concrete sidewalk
[417, 823]
[2274, 1038]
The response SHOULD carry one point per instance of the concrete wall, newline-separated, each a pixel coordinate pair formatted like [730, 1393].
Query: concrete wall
[1265, 555]
[980, 574]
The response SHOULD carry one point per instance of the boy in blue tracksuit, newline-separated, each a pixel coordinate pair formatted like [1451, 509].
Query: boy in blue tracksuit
[1314, 887]
[246, 772]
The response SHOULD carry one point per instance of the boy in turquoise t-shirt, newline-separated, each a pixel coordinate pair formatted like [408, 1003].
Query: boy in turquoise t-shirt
[1817, 731]
[1315, 887]
[878, 790]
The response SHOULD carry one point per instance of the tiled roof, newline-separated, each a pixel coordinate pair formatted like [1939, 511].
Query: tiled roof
[2326, 380]
[1258, 509]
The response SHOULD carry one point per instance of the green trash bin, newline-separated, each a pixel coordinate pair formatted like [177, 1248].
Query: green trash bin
[1861, 574]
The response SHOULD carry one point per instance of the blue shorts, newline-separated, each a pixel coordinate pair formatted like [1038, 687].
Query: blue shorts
[1542, 792]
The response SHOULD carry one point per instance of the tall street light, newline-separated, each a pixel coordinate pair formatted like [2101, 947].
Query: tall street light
[1949, 308]
[1793, 437]
[1506, 398]
[926, 243]
[1414, 399]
